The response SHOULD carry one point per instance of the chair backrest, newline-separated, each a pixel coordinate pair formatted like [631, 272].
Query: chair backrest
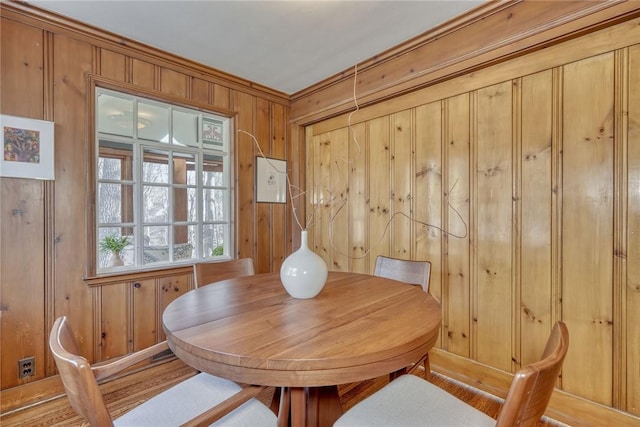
[78, 379]
[413, 272]
[209, 272]
[533, 385]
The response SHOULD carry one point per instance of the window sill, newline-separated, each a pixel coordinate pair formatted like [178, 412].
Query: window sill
[127, 276]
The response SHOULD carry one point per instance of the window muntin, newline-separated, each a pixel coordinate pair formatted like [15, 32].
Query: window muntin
[163, 183]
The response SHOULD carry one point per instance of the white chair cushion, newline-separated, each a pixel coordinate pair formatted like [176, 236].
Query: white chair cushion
[409, 401]
[191, 398]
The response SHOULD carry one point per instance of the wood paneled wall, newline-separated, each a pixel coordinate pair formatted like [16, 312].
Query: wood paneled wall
[46, 64]
[520, 182]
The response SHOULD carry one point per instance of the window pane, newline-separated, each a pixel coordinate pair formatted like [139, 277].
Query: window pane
[155, 244]
[213, 240]
[108, 239]
[153, 122]
[213, 205]
[155, 204]
[116, 203]
[115, 115]
[185, 205]
[115, 161]
[183, 247]
[184, 168]
[155, 167]
[213, 170]
[185, 128]
[109, 168]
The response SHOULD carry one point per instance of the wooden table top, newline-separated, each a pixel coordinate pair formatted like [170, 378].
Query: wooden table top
[250, 330]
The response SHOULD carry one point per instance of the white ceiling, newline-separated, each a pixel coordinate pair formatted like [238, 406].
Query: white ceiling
[284, 45]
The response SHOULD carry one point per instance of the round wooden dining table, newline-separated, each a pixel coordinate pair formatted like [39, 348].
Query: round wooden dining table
[249, 330]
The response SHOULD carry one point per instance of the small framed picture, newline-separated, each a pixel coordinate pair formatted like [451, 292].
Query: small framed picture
[271, 180]
[212, 132]
[27, 148]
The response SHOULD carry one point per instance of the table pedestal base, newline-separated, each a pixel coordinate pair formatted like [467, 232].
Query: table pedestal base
[309, 407]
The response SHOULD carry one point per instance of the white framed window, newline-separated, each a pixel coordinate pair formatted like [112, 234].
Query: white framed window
[162, 183]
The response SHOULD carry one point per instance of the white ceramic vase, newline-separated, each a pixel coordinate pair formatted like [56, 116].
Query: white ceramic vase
[303, 273]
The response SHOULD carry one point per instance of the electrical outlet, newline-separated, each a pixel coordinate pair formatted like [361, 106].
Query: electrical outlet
[26, 367]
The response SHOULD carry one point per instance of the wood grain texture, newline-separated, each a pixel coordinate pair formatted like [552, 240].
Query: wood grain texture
[546, 165]
[337, 337]
[632, 288]
[588, 223]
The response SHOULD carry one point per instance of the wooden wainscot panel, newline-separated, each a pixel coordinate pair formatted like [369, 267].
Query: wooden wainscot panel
[632, 290]
[171, 288]
[146, 314]
[72, 60]
[22, 287]
[456, 291]
[113, 65]
[379, 177]
[114, 320]
[174, 83]
[144, 74]
[587, 208]
[403, 177]
[338, 244]
[493, 294]
[536, 213]
[23, 210]
[428, 192]
[279, 212]
[358, 203]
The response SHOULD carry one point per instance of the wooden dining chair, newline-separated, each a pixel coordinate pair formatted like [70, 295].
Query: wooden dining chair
[414, 273]
[411, 401]
[209, 272]
[200, 400]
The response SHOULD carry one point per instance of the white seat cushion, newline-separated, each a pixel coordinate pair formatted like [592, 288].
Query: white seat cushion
[409, 401]
[191, 398]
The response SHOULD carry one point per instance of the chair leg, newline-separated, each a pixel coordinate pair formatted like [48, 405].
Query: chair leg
[427, 368]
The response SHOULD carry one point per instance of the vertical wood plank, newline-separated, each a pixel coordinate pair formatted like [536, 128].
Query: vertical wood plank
[457, 300]
[402, 167]
[279, 211]
[340, 228]
[379, 161]
[494, 226]
[535, 271]
[244, 151]
[427, 200]
[322, 214]
[358, 190]
[632, 289]
[145, 315]
[72, 60]
[170, 288]
[114, 321]
[263, 210]
[587, 209]
[23, 328]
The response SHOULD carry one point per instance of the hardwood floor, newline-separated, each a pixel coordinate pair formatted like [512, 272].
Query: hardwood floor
[125, 393]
